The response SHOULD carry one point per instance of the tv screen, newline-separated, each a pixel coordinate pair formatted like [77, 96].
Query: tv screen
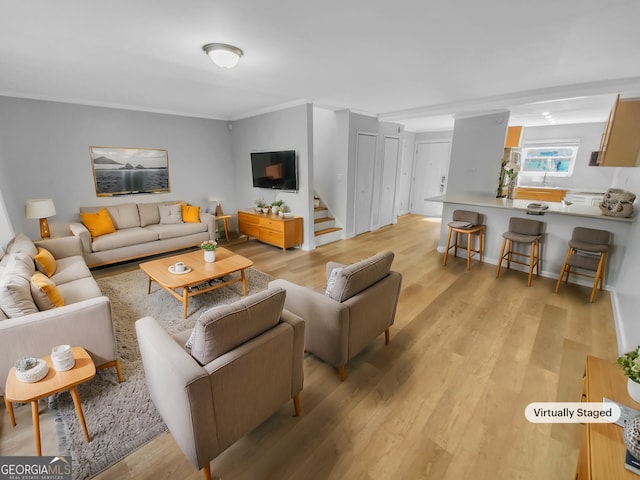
[275, 170]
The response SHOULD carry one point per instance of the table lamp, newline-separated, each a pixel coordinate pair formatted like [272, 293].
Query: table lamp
[41, 208]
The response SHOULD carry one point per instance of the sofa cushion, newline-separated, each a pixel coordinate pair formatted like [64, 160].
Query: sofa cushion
[170, 214]
[149, 214]
[176, 230]
[190, 213]
[45, 262]
[356, 277]
[124, 216]
[69, 269]
[224, 327]
[45, 293]
[98, 223]
[123, 238]
[15, 287]
[22, 244]
[79, 290]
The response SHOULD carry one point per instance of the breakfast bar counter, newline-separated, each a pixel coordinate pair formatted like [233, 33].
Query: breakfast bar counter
[559, 220]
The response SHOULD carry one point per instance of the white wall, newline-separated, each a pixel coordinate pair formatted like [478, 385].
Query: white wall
[44, 149]
[593, 179]
[289, 129]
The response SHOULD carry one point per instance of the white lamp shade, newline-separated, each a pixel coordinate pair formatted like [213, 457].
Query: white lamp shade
[40, 208]
[223, 55]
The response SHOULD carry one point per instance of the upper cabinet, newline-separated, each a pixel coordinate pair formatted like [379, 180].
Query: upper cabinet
[514, 135]
[620, 143]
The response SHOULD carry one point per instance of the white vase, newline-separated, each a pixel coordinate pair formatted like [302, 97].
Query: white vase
[274, 210]
[634, 390]
[209, 256]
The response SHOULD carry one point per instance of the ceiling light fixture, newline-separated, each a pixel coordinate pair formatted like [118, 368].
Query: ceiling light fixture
[222, 54]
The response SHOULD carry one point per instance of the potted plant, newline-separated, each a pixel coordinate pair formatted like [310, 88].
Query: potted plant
[259, 203]
[275, 206]
[630, 363]
[209, 248]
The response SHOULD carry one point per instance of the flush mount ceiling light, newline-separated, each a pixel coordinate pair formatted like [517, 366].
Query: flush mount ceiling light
[223, 55]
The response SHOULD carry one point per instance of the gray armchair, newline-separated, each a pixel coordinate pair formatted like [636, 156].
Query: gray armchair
[358, 305]
[245, 361]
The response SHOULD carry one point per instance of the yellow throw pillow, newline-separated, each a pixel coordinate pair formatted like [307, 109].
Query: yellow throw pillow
[45, 262]
[45, 293]
[98, 223]
[190, 213]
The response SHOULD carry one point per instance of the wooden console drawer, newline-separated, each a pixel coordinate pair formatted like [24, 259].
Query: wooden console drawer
[271, 229]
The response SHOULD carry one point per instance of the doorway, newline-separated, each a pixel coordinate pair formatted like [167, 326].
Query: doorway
[365, 167]
[430, 177]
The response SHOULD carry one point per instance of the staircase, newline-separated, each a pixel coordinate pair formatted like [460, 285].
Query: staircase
[324, 227]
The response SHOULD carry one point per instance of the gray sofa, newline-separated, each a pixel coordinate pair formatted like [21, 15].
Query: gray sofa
[140, 232]
[28, 327]
[244, 362]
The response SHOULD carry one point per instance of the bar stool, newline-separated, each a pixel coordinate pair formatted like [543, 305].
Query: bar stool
[522, 230]
[468, 223]
[587, 251]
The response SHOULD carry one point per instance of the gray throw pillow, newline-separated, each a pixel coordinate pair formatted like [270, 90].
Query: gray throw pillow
[170, 214]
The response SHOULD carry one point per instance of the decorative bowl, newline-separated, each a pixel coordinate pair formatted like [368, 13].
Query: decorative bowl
[34, 374]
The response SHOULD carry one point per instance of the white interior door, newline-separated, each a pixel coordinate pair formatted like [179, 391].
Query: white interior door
[389, 180]
[430, 177]
[365, 166]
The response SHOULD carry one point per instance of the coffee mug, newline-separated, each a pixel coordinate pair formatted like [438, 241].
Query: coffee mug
[179, 267]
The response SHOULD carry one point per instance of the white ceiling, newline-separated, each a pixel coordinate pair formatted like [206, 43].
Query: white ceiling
[416, 62]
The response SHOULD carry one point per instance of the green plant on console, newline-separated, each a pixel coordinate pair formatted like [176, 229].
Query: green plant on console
[209, 245]
[630, 363]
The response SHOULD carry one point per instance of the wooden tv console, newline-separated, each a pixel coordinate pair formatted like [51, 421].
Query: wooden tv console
[271, 229]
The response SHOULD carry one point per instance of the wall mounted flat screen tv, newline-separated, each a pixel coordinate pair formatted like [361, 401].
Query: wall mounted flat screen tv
[277, 170]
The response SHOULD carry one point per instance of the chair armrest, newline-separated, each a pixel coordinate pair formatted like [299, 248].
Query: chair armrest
[326, 321]
[61, 247]
[298, 349]
[210, 222]
[79, 230]
[180, 389]
[87, 323]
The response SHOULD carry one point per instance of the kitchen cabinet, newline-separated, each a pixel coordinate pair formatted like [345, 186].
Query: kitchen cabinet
[271, 229]
[543, 194]
[514, 135]
[620, 143]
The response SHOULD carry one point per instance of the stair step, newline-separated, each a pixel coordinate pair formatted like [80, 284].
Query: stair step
[327, 230]
[323, 219]
[319, 209]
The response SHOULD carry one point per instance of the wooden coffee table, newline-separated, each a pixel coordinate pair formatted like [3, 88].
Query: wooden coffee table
[178, 285]
[54, 382]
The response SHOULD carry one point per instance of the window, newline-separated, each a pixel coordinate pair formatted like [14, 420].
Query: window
[552, 160]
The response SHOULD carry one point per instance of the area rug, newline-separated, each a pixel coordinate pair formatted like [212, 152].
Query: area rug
[121, 417]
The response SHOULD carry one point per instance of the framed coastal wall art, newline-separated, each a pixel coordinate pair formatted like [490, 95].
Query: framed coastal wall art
[126, 171]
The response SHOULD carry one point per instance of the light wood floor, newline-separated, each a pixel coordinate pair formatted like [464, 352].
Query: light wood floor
[444, 400]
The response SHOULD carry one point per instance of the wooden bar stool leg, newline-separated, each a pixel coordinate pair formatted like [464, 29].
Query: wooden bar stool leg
[597, 278]
[531, 257]
[504, 242]
[481, 235]
[563, 271]
[509, 254]
[455, 248]
[468, 251]
[446, 251]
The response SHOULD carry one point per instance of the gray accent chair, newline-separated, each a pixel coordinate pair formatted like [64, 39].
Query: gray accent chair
[244, 363]
[359, 304]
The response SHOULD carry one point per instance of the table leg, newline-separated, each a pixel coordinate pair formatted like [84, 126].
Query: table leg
[244, 283]
[9, 406]
[185, 301]
[78, 405]
[226, 229]
[149, 287]
[35, 414]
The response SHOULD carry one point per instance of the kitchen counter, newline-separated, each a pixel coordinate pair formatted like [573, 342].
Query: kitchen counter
[559, 222]
[479, 199]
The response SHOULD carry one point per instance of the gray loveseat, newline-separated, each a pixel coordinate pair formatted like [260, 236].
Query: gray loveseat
[140, 231]
[30, 327]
